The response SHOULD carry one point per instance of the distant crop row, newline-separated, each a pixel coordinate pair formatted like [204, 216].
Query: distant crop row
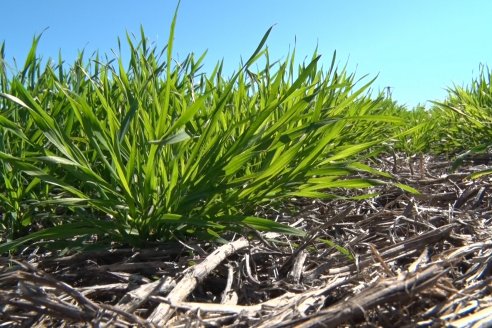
[159, 150]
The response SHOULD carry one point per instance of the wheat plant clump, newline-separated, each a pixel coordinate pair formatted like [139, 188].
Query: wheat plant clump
[158, 150]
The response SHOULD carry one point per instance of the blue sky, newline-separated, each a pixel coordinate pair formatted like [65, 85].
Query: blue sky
[417, 47]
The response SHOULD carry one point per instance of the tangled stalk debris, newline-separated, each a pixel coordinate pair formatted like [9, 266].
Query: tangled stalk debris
[412, 260]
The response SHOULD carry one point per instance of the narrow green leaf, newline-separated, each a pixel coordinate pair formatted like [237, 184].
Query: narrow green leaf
[349, 183]
[180, 136]
[262, 224]
[68, 230]
[349, 151]
[477, 175]
[407, 188]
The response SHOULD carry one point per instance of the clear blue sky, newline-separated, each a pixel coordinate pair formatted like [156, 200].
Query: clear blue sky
[417, 47]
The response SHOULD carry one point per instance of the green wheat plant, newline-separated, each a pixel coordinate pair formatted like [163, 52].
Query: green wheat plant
[466, 114]
[466, 119]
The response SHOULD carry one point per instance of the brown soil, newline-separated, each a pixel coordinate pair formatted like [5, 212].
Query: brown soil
[396, 260]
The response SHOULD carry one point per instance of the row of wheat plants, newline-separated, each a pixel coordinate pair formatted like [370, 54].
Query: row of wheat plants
[467, 113]
[154, 149]
[456, 127]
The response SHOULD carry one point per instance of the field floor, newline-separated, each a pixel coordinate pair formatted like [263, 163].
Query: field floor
[397, 260]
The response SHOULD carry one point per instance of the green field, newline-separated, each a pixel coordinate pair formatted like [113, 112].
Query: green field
[103, 152]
